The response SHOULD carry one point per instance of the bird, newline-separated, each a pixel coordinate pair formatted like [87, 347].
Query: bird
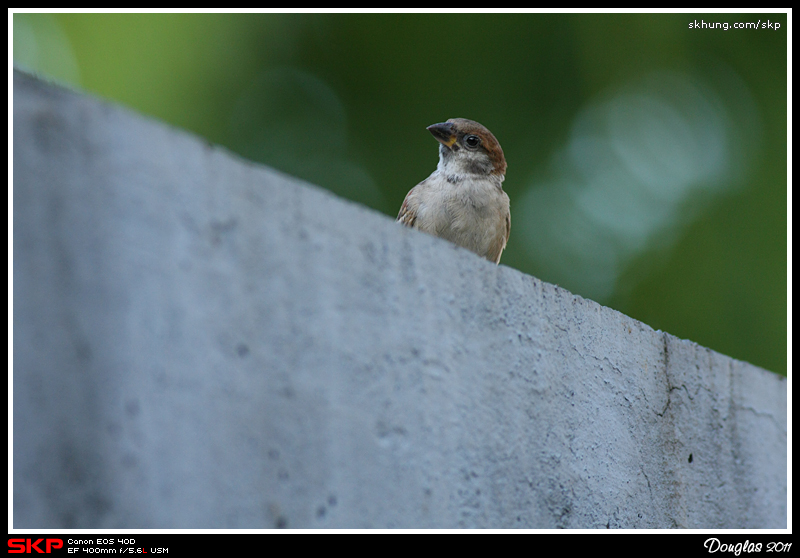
[463, 199]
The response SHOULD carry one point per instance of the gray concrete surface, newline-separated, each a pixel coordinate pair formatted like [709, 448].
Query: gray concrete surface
[202, 342]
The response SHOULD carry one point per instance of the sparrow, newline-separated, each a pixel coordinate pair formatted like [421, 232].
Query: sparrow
[463, 199]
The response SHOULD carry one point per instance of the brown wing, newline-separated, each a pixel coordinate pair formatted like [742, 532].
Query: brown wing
[495, 253]
[508, 234]
[408, 211]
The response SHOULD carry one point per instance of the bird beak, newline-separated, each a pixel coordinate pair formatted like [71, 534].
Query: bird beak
[444, 133]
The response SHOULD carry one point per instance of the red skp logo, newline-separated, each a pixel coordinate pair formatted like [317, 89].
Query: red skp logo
[18, 546]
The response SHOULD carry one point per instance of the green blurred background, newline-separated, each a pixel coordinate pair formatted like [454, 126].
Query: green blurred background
[646, 158]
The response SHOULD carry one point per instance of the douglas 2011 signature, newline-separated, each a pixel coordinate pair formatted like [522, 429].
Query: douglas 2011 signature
[715, 545]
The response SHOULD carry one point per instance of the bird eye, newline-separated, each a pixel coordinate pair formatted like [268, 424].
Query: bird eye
[472, 141]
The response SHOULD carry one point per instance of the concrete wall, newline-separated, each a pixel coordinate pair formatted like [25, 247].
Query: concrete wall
[202, 342]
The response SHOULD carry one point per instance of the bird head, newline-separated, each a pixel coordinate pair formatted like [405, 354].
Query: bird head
[468, 148]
